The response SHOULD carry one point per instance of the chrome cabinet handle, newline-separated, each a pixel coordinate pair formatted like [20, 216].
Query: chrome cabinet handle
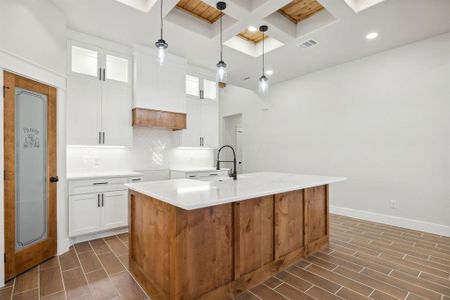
[99, 137]
[98, 200]
[103, 137]
[99, 73]
[104, 73]
[103, 200]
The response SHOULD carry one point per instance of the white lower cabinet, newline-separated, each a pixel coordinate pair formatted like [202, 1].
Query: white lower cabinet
[98, 205]
[114, 209]
[85, 214]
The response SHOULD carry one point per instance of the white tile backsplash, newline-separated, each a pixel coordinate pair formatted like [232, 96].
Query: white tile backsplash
[153, 149]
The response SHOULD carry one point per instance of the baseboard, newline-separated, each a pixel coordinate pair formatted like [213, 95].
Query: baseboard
[392, 220]
[97, 235]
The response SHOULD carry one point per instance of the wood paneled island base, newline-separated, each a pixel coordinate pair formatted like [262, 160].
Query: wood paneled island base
[220, 251]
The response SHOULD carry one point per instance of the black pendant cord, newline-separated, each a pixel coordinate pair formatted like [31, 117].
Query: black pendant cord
[162, 23]
[263, 60]
[221, 45]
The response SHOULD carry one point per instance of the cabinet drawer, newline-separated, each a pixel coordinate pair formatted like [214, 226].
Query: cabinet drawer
[97, 185]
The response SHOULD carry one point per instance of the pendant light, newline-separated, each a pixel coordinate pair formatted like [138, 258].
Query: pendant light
[221, 74]
[161, 44]
[263, 80]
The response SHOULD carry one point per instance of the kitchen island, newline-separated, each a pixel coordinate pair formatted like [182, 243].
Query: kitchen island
[193, 239]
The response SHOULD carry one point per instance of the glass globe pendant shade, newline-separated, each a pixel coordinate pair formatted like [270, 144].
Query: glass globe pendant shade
[263, 85]
[161, 46]
[221, 74]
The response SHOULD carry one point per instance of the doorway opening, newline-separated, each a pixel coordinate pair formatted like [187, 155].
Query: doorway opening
[233, 135]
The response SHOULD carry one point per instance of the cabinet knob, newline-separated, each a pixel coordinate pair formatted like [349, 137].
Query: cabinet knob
[54, 179]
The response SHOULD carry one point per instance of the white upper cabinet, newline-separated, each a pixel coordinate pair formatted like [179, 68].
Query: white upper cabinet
[202, 108]
[159, 87]
[99, 96]
[85, 61]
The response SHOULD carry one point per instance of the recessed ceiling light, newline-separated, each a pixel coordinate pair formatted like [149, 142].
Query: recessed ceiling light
[269, 72]
[252, 28]
[371, 35]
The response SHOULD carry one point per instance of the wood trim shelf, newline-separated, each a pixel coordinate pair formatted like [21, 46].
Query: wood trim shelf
[144, 117]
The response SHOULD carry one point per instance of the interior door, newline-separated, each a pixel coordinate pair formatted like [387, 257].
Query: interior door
[30, 173]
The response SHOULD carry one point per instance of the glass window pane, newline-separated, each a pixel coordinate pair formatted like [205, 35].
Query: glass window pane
[210, 89]
[84, 61]
[192, 85]
[116, 68]
[31, 170]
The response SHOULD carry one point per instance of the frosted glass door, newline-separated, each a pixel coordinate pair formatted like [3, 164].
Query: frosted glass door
[31, 167]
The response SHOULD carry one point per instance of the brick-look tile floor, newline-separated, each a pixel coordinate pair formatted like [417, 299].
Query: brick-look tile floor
[365, 260]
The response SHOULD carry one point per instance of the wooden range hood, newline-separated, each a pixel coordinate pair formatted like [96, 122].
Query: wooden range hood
[143, 117]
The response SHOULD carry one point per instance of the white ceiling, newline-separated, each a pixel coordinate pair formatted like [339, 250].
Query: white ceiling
[398, 22]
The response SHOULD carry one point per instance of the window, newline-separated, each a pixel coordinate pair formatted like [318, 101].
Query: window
[84, 61]
[209, 89]
[192, 85]
[116, 68]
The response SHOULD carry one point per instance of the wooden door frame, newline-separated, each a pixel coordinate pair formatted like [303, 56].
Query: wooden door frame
[36, 253]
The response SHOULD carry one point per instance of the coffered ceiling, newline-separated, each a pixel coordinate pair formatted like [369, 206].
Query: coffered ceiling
[338, 29]
[298, 10]
[200, 9]
[254, 37]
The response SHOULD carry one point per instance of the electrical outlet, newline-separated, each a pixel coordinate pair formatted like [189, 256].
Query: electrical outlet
[393, 204]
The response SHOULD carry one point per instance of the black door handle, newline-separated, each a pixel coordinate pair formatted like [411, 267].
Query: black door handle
[54, 179]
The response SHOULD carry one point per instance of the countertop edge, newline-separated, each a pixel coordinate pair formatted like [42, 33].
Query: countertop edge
[132, 187]
[103, 175]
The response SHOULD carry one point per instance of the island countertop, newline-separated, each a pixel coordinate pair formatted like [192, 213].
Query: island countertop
[192, 194]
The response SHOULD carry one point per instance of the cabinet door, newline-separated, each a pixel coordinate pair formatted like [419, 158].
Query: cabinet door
[84, 61]
[84, 214]
[83, 111]
[115, 209]
[116, 114]
[117, 68]
[210, 123]
[191, 135]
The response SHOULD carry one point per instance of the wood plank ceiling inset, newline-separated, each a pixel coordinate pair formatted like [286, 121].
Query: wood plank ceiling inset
[299, 10]
[254, 37]
[200, 9]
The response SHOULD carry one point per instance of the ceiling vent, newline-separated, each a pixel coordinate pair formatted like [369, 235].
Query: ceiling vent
[308, 44]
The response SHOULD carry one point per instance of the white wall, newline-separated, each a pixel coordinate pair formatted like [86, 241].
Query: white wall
[382, 121]
[35, 49]
[38, 35]
[153, 149]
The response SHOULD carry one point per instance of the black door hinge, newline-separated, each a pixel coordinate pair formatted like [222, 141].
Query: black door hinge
[4, 257]
[4, 90]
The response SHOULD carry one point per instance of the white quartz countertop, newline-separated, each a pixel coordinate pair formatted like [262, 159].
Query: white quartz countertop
[191, 194]
[95, 175]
